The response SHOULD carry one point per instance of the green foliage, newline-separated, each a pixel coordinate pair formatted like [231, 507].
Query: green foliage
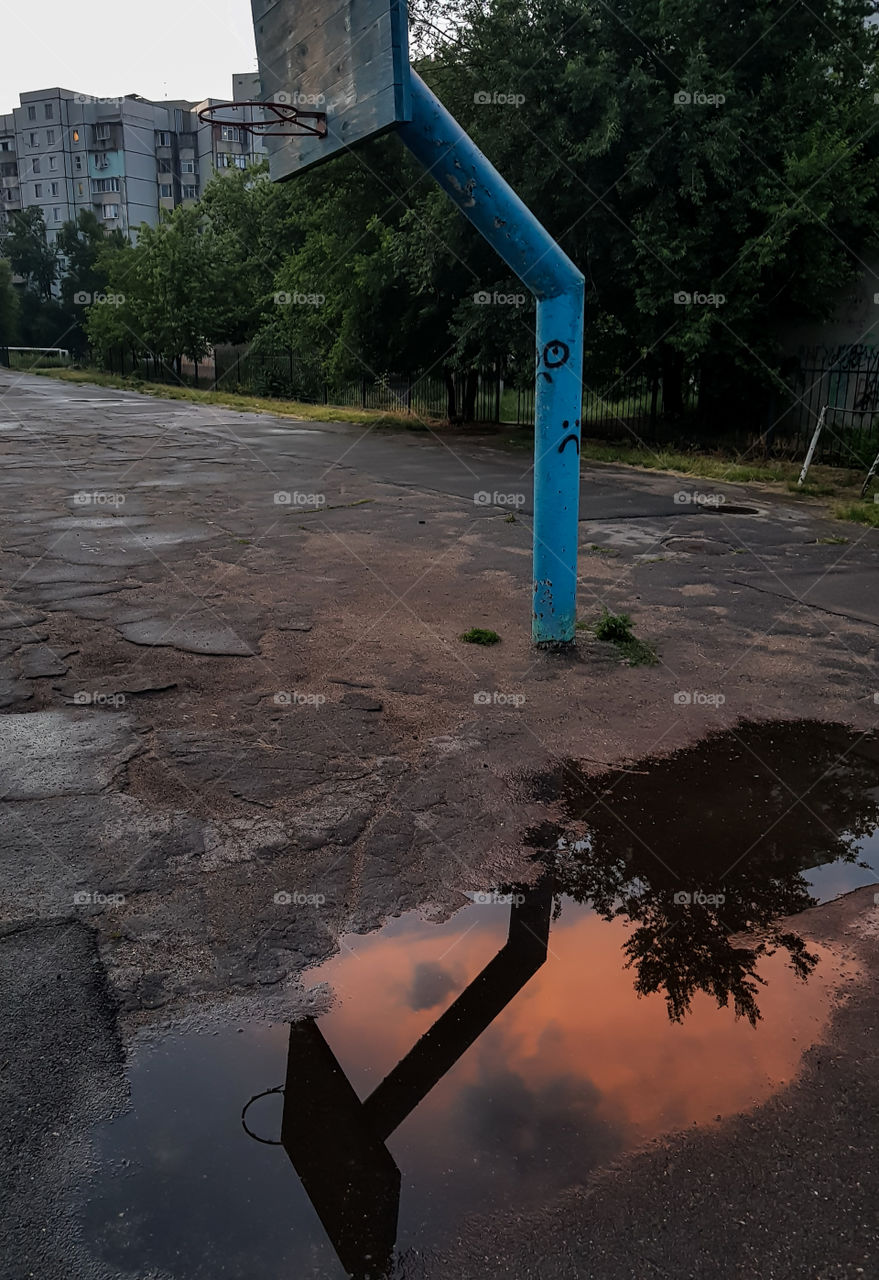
[29, 252]
[480, 635]
[762, 192]
[616, 629]
[858, 512]
[8, 306]
[168, 290]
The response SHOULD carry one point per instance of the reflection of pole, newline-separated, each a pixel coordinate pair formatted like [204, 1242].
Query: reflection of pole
[346, 1169]
[337, 1143]
[476, 1007]
[482, 195]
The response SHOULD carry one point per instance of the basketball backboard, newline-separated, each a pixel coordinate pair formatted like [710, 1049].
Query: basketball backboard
[347, 58]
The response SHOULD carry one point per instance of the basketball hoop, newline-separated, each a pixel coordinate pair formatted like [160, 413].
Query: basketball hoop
[282, 119]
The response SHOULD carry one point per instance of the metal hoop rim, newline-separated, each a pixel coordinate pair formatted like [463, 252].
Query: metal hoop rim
[284, 113]
[267, 1142]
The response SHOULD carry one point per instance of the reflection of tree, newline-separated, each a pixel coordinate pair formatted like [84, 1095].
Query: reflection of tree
[730, 825]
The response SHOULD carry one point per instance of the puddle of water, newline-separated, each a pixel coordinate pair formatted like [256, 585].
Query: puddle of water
[497, 1058]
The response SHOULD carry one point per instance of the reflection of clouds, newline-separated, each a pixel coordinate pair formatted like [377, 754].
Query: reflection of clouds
[431, 983]
[555, 1127]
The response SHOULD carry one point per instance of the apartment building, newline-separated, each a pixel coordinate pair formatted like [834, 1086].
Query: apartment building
[125, 159]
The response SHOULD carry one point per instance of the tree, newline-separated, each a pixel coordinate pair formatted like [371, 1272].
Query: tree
[29, 253]
[8, 306]
[166, 294]
[252, 227]
[683, 148]
[81, 245]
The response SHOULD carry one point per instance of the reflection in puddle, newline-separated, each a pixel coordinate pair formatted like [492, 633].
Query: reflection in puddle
[497, 1058]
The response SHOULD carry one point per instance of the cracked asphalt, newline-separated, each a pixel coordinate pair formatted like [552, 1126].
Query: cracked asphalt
[230, 665]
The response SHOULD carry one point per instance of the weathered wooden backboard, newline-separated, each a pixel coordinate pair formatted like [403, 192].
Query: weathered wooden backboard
[348, 58]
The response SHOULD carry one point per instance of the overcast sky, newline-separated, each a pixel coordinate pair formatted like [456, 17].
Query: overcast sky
[157, 48]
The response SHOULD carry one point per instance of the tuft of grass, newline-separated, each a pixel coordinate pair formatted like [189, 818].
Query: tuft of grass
[509, 519]
[616, 629]
[858, 512]
[480, 635]
[831, 542]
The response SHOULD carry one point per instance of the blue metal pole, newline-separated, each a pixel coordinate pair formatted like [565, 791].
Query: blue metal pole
[482, 195]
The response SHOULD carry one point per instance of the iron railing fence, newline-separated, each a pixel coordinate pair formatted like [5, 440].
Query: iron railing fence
[844, 378]
[631, 404]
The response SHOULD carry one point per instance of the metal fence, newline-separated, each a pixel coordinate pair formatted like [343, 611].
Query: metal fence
[846, 379]
[632, 404]
[284, 375]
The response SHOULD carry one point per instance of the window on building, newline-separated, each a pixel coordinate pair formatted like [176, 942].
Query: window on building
[105, 184]
[187, 166]
[163, 139]
[31, 113]
[38, 190]
[80, 188]
[75, 135]
[111, 211]
[5, 144]
[9, 170]
[164, 165]
[190, 193]
[50, 110]
[102, 131]
[53, 162]
[164, 190]
[35, 164]
[56, 214]
[53, 188]
[50, 137]
[230, 133]
[77, 163]
[34, 139]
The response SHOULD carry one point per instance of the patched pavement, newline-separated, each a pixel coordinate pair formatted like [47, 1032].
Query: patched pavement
[230, 665]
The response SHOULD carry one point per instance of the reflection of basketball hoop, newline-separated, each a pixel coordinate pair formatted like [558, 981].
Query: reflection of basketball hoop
[268, 1142]
[280, 119]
